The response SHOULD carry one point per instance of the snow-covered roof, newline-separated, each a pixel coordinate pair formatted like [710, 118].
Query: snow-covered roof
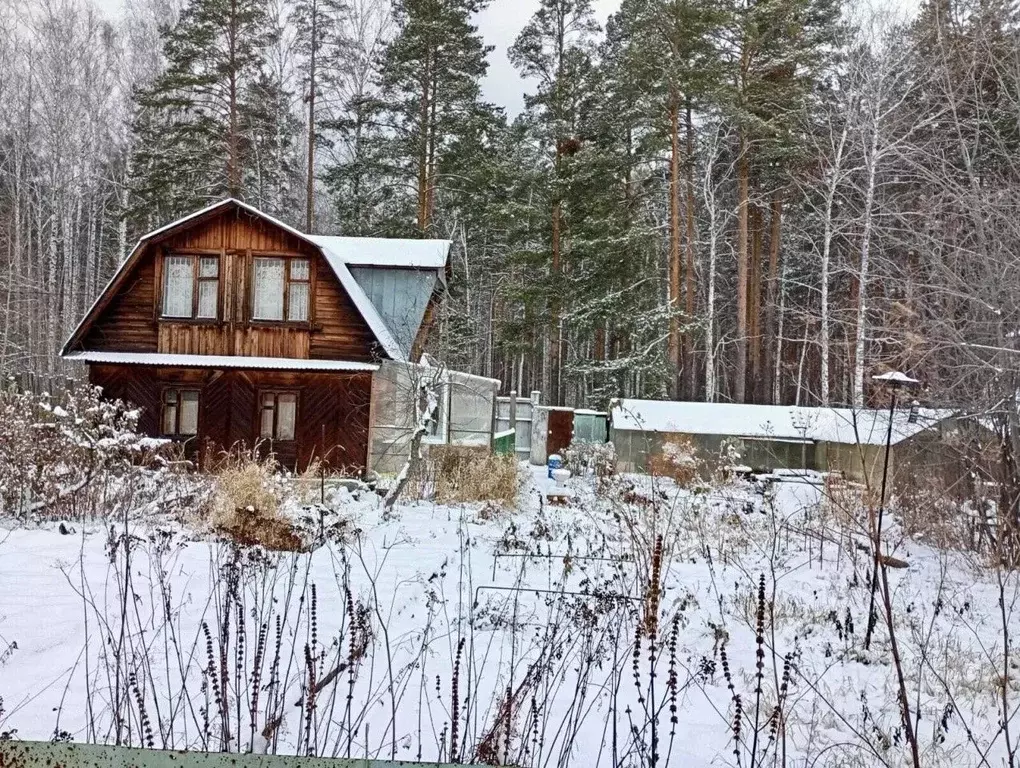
[384, 251]
[219, 361]
[777, 422]
[344, 251]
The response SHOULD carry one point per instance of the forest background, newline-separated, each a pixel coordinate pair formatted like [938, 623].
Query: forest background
[743, 200]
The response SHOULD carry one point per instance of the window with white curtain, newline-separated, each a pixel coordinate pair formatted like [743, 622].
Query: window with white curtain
[191, 286]
[180, 412]
[297, 290]
[281, 289]
[178, 287]
[268, 289]
[279, 416]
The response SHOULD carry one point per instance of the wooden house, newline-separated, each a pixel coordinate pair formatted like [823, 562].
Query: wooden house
[230, 327]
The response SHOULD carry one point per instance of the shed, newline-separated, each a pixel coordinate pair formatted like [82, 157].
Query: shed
[768, 437]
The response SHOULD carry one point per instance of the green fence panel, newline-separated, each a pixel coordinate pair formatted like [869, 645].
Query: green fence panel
[42, 754]
[505, 443]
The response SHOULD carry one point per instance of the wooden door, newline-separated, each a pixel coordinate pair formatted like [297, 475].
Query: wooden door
[561, 430]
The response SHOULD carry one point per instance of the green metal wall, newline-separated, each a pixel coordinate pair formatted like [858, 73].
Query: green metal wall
[39, 754]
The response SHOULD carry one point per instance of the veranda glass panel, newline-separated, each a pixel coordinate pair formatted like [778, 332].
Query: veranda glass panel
[268, 409]
[170, 412]
[268, 304]
[189, 413]
[286, 416]
[178, 286]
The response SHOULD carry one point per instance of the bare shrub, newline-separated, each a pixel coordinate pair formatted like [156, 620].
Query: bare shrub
[678, 461]
[246, 503]
[457, 474]
[598, 459]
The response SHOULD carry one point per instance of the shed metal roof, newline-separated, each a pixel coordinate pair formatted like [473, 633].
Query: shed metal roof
[778, 422]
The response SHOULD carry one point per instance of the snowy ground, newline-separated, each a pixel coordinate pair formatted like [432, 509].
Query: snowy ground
[523, 637]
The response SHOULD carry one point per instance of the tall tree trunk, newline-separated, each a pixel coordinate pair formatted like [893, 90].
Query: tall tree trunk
[689, 274]
[674, 247]
[827, 235]
[423, 149]
[871, 162]
[777, 361]
[775, 233]
[310, 182]
[754, 301]
[743, 182]
[233, 141]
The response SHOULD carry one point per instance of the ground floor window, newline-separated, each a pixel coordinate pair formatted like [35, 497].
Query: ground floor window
[180, 412]
[279, 415]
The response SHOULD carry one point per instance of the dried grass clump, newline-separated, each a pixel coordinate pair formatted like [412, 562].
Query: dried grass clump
[456, 474]
[678, 461]
[246, 504]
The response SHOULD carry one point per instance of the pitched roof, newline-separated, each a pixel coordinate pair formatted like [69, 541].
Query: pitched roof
[218, 361]
[370, 250]
[775, 422]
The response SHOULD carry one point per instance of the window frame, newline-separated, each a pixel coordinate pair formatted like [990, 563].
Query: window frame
[441, 437]
[276, 392]
[178, 391]
[288, 260]
[197, 280]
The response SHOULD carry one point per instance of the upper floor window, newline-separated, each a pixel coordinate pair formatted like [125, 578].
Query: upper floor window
[281, 289]
[191, 286]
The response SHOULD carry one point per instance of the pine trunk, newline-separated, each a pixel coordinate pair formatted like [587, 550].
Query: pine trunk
[775, 234]
[233, 140]
[689, 274]
[423, 149]
[674, 248]
[755, 301]
[310, 188]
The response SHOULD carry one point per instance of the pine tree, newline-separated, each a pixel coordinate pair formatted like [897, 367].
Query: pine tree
[316, 23]
[555, 48]
[352, 126]
[672, 60]
[194, 124]
[779, 51]
[431, 74]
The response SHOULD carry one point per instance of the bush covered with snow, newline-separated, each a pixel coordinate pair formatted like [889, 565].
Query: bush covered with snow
[55, 453]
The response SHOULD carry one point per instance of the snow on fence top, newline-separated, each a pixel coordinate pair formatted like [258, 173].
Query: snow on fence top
[777, 422]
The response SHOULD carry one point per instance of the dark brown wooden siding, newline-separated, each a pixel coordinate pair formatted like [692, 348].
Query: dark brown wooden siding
[127, 324]
[332, 410]
[130, 322]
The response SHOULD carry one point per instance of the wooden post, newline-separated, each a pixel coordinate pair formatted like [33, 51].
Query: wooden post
[512, 419]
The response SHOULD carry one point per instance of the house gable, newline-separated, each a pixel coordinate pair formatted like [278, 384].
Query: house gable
[342, 323]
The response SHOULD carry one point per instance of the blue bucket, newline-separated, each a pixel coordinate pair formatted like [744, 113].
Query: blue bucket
[555, 462]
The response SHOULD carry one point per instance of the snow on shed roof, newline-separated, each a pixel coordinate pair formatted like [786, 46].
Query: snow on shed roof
[776, 422]
[219, 361]
[371, 251]
[384, 251]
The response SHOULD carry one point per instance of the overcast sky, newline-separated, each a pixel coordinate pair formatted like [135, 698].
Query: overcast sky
[500, 23]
